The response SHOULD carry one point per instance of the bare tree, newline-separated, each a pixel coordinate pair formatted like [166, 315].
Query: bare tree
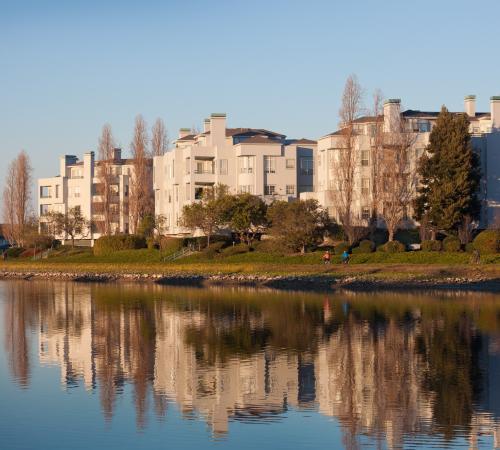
[105, 176]
[395, 181]
[159, 140]
[141, 195]
[17, 198]
[344, 166]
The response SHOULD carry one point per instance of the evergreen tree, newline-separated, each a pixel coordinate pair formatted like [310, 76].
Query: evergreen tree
[449, 175]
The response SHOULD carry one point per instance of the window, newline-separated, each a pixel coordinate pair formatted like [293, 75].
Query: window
[269, 189]
[222, 166]
[246, 189]
[246, 164]
[306, 166]
[365, 186]
[125, 190]
[57, 191]
[423, 126]
[202, 166]
[365, 213]
[76, 192]
[290, 163]
[169, 194]
[45, 191]
[176, 192]
[290, 189]
[188, 191]
[198, 193]
[44, 209]
[188, 166]
[365, 157]
[76, 172]
[269, 164]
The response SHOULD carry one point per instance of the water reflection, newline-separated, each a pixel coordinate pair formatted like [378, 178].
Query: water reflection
[390, 368]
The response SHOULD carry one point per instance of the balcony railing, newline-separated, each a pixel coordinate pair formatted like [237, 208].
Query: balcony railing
[202, 171]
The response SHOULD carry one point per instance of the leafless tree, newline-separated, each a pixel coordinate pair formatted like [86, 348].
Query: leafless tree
[395, 181]
[105, 176]
[159, 140]
[72, 224]
[344, 166]
[141, 193]
[17, 198]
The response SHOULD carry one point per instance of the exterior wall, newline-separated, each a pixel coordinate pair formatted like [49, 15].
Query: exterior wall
[237, 160]
[485, 140]
[76, 186]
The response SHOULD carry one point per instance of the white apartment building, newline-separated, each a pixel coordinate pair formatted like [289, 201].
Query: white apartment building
[78, 185]
[256, 161]
[485, 131]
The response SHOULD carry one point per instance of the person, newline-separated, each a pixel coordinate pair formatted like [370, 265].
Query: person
[345, 257]
[326, 257]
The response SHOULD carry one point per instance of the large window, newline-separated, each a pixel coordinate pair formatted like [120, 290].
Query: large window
[306, 166]
[188, 166]
[269, 164]
[188, 191]
[202, 166]
[290, 189]
[245, 189]
[222, 166]
[290, 163]
[365, 213]
[44, 209]
[76, 172]
[365, 186]
[246, 164]
[365, 157]
[45, 191]
[269, 189]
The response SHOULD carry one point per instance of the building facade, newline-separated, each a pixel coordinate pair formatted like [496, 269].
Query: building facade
[79, 184]
[369, 131]
[246, 160]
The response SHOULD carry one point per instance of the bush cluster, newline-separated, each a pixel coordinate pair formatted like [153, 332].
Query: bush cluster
[341, 248]
[452, 244]
[106, 245]
[14, 252]
[431, 246]
[394, 247]
[487, 242]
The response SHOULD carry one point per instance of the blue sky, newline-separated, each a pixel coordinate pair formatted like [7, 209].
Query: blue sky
[68, 67]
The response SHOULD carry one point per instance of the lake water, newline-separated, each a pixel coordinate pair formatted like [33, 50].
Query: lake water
[122, 366]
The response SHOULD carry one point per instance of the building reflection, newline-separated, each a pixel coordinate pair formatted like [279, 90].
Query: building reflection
[385, 370]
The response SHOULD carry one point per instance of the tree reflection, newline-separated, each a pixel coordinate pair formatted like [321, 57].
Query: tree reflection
[384, 365]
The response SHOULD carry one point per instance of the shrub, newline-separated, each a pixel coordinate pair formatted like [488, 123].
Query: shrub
[407, 237]
[107, 245]
[366, 246]
[14, 252]
[235, 250]
[169, 245]
[469, 248]
[487, 241]
[431, 246]
[341, 248]
[152, 243]
[394, 247]
[270, 246]
[452, 244]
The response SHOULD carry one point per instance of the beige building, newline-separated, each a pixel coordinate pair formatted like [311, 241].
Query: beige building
[485, 130]
[79, 185]
[256, 161]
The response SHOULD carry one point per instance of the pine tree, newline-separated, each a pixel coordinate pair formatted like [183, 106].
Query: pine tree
[449, 175]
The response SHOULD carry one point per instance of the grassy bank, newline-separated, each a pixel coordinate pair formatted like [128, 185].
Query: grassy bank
[395, 266]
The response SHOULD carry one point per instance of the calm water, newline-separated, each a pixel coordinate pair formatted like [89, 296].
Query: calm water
[128, 366]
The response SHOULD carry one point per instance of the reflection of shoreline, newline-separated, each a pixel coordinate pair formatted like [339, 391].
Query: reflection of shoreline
[372, 373]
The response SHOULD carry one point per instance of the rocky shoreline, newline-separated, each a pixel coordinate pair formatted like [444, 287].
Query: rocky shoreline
[295, 282]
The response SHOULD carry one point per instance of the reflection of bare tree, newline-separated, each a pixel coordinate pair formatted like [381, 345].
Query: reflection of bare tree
[382, 368]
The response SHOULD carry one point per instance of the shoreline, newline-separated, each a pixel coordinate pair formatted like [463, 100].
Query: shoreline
[302, 282]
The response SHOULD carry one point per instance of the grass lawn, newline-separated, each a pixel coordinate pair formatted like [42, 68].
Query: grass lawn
[376, 265]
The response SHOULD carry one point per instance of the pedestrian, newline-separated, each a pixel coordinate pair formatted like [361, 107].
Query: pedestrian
[327, 257]
[345, 257]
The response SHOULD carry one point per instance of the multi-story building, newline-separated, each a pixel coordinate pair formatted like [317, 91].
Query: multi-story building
[79, 184]
[485, 131]
[256, 161]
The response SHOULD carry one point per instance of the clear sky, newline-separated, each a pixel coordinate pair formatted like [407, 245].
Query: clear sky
[68, 67]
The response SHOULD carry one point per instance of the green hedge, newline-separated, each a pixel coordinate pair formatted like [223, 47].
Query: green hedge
[106, 245]
[341, 248]
[452, 244]
[487, 242]
[394, 247]
[431, 246]
[14, 252]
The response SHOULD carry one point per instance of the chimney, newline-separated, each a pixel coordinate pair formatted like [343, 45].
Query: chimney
[218, 128]
[117, 154]
[392, 115]
[183, 132]
[495, 112]
[206, 125]
[470, 105]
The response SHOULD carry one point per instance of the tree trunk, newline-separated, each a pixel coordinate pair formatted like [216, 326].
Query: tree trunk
[391, 234]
